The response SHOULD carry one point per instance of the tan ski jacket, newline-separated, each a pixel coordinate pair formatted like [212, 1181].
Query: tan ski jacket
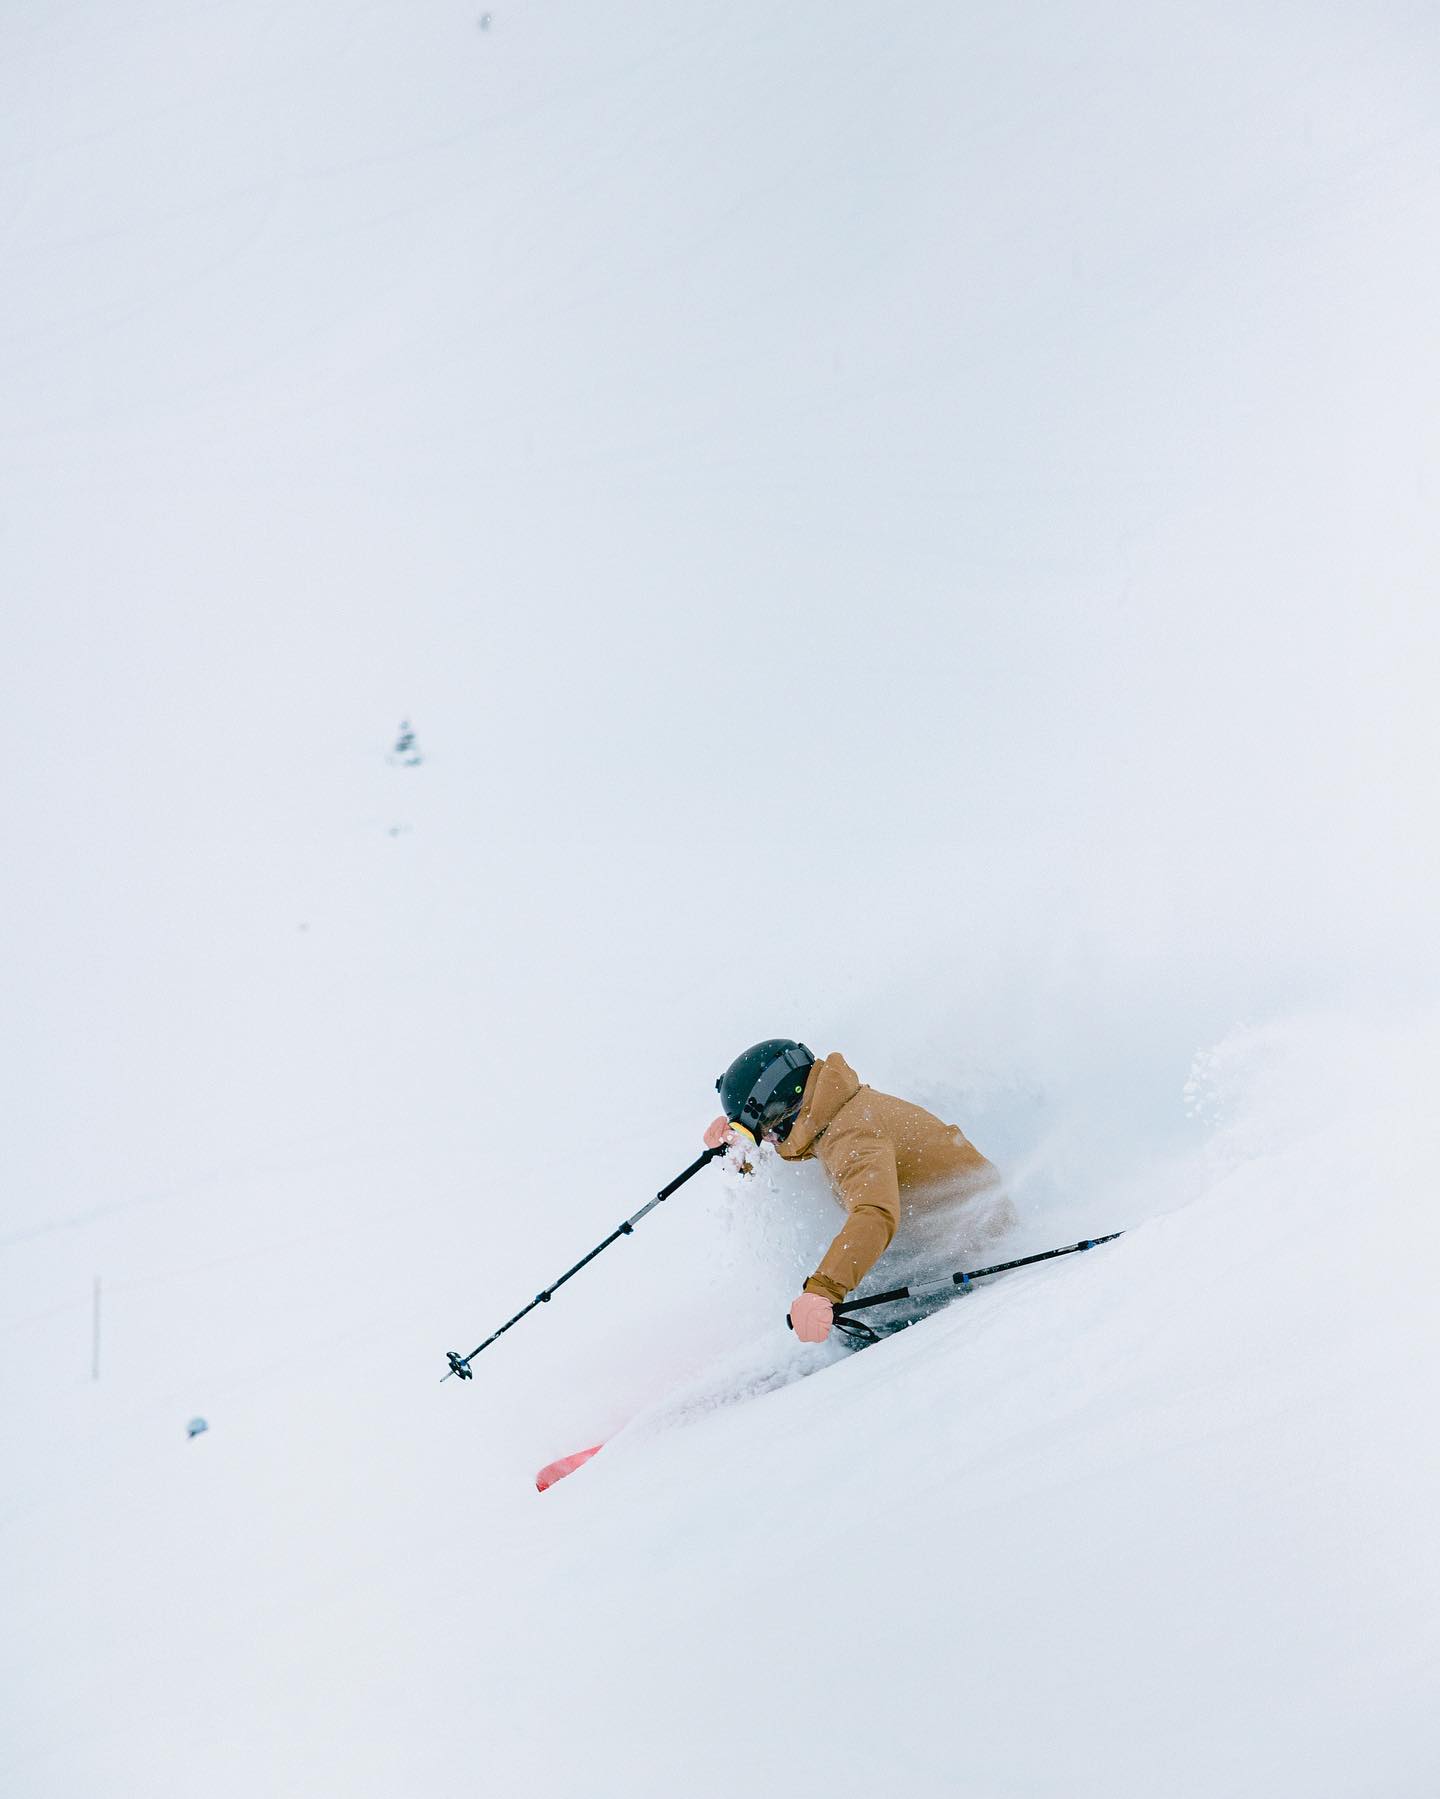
[875, 1147]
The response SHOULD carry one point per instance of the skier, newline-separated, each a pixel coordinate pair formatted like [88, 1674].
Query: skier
[889, 1162]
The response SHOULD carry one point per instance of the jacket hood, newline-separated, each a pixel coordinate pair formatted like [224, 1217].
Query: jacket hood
[832, 1084]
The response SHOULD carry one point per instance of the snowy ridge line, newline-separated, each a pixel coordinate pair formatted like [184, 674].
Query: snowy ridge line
[260, 1168]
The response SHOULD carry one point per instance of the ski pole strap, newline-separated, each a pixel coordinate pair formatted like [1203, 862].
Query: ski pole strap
[857, 1330]
[460, 1365]
[963, 1278]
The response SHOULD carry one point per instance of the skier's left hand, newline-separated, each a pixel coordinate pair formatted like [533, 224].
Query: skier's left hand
[812, 1315]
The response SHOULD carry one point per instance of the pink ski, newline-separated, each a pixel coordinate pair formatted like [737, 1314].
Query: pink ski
[567, 1464]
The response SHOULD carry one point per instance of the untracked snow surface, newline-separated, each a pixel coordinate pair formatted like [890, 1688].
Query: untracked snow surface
[539, 547]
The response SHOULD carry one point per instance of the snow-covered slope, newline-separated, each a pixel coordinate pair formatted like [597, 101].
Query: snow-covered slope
[1157, 1522]
[915, 529]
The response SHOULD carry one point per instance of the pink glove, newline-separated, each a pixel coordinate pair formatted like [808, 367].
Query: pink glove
[717, 1133]
[812, 1315]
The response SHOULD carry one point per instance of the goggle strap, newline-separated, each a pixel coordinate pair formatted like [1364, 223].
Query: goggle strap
[788, 1062]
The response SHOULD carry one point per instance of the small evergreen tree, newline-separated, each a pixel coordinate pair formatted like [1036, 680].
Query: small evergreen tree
[405, 754]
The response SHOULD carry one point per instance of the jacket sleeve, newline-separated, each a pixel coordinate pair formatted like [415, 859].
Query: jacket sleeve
[861, 1165]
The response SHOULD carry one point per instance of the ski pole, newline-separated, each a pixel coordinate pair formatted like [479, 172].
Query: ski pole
[963, 1278]
[461, 1364]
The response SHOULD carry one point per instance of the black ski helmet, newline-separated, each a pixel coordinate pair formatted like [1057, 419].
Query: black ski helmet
[762, 1089]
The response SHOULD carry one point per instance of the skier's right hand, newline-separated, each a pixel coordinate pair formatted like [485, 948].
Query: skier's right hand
[720, 1132]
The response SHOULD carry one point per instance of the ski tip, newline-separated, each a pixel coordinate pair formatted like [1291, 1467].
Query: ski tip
[567, 1464]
